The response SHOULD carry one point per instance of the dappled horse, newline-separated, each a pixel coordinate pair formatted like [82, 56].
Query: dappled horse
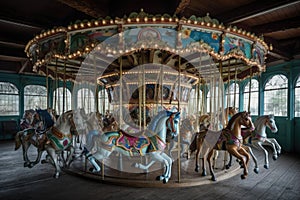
[34, 124]
[229, 138]
[152, 142]
[258, 138]
[186, 133]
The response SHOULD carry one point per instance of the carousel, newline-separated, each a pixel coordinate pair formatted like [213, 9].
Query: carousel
[165, 81]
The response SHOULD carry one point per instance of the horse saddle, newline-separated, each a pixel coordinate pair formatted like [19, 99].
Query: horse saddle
[129, 142]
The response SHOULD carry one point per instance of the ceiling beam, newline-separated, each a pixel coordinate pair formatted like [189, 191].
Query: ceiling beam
[182, 6]
[19, 24]
[254, 9]
[277, 26]
[25, 64]
[12, 44]
[12, 58]
[85, 7]
[278, 52]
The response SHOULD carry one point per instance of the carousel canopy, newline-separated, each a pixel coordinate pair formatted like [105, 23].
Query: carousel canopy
[189, 45]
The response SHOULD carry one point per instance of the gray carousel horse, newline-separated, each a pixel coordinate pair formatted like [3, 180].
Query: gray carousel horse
[151, 142]
[186, 133]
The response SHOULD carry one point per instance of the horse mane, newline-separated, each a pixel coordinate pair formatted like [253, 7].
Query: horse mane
[156, 119]
[46, 117]
[232, 120]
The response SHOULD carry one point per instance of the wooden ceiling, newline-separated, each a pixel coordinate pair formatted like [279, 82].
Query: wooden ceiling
[277, 20]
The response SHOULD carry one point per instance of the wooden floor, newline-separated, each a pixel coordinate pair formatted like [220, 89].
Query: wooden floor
[281, 181]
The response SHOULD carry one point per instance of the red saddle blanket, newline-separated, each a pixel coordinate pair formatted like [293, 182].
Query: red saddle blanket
[129, 142]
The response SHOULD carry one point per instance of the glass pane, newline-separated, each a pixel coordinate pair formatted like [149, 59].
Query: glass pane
[9, 99]
[86, 100]
[233, 97]
[275, 102]
[103, 101]
[277, 82]
[8, 88]
[58, 100]
[254, 102]
[35, 97]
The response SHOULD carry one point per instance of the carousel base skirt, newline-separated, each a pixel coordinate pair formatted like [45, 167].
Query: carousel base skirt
[185, 177]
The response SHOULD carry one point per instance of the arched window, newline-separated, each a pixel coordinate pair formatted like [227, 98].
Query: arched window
[233, 97]
[9, 99]
[58, 100]
[195, 102]
[275, 96]
[35, 96]
[297, 98]
[254, 101]
[103, 102]
[86, 100]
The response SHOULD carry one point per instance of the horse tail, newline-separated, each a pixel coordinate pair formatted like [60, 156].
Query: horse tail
[18, 140]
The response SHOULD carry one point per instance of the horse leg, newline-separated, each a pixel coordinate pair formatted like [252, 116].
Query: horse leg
[215, 158]
[25, 146]
[53, 156]
[158, 157]
[210, 153]
[238, 154]
[229, 164]
[168, 168]
[278, 147]
[38, 158]
[258, 145]
[70, 156]
[249, 149]
[269, 142]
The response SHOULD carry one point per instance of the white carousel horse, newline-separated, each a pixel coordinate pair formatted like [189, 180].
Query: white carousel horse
[186, 133]
[60, 139]
[229, 138]
[34, 124]
[258, 138]
[152, 142]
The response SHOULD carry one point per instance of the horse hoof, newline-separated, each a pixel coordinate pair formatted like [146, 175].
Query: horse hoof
[165, 180]
[26, 164]
[243, 176]
[213, 178]
[160, 178]
[227, 166]
[91, 169]
[203, 173]
[266, 166]
[275, 157]
[256, 170]
[197, 169]
[56, 176]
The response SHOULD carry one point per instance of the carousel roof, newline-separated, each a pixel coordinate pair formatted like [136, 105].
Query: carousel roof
[254, 25]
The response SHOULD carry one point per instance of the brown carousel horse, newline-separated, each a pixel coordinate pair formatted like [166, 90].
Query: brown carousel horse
[229, 138]
[33, 127]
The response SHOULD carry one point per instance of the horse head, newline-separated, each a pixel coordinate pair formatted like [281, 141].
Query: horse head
[245, 120]
[172, 123]
[270, 122]
[204, 122]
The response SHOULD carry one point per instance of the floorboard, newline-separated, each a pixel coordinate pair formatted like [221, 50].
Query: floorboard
[281, 181]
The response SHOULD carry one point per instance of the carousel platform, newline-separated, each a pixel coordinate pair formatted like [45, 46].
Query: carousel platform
[119, 171]
[280, 181]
